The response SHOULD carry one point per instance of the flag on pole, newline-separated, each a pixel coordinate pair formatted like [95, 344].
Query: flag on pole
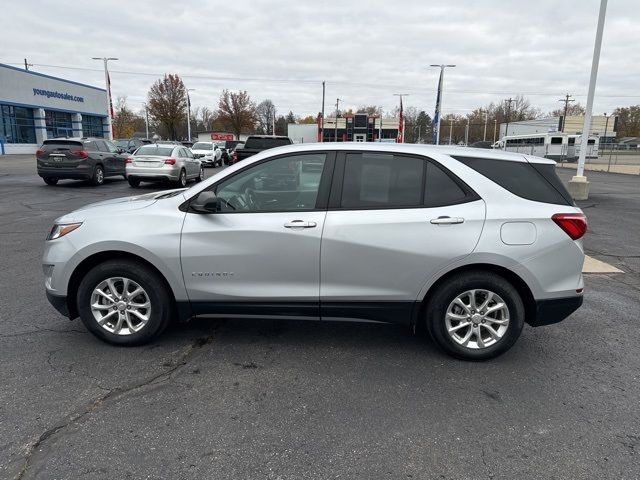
[400, 138]
[436, 116]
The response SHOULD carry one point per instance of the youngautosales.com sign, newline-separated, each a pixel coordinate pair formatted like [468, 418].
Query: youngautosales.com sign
[56, 94]
[222, 136]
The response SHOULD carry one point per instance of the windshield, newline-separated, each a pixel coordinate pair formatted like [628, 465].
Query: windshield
[122, 143]
[201, 146]
[159, 150]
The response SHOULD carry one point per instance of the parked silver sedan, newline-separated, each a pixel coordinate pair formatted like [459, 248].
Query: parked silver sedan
[163, 162]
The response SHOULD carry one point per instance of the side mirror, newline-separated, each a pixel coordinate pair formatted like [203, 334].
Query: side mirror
[205, 202]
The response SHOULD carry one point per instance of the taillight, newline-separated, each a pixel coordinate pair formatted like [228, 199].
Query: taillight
[234, 157]
[39, 153]
[170, 161]
[128, 160]
[573, 224]
[79, 153]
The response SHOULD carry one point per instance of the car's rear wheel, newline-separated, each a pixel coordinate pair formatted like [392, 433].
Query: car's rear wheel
[98, 175]
[50, 180]
[133, 182]
[182, 179]
[124, 302]
[475, 315]
[200, 176]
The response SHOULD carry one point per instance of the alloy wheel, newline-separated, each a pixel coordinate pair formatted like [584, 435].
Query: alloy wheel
[120, 306]
[477, 319]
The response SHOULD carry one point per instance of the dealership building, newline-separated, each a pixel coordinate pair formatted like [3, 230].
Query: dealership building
[35, 107]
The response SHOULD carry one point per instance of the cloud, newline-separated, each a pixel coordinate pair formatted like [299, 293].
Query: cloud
[365, 51]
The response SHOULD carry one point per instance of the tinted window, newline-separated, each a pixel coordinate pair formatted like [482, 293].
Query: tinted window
[110, 146]
[102, 146]
[51, 145]
[441, 189]
[556, 140]
[382, 180]
[90, 146]
[520, 178]
[283, 184]
[265, 143]
[201, 146]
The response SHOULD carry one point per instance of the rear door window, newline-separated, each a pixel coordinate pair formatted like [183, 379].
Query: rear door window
[441, 189]
[380, 180]
[523, 179]
[90, 146]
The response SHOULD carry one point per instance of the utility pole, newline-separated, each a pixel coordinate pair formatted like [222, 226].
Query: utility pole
[566, 101]
[189, 114]
[509, 101]
[146, 118]
[335, 135]
[107, 81]
[486, 118]
[436, 116]
[380, 127]
[495, 129]
[578, 185]
[27, 65]
[401, 119]
[322, 120]
[450, 131]
[466, 134]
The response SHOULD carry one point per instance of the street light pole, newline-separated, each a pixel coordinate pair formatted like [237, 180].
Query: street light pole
[466, 134]
[495, 129]
[437, 115]
[189, 114]
[107, 82]
[486, 119]
[578, 185]
[146, 119]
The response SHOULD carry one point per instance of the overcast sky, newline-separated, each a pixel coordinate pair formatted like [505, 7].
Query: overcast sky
[365, 51]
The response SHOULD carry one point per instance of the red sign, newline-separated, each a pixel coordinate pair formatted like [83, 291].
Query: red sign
[222, 136]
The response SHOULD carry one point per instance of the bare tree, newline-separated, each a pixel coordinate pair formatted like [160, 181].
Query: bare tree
[265, 116]
[125, 122]
[369, 109]
[168, 104]
[237, 111]
[572, 109]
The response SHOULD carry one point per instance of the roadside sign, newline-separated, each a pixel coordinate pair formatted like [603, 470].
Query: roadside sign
[222, 136]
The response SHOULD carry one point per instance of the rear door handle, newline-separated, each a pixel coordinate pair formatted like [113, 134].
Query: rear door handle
[300, 224]
[447, 220]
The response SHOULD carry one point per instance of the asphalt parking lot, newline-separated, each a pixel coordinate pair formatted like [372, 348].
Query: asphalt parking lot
[292, 400]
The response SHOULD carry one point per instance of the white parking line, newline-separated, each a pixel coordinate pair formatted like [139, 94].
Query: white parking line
[591, 265]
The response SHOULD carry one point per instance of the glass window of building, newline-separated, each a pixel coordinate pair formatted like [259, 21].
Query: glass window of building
[92, 126]
[17, 125]
[58, 124]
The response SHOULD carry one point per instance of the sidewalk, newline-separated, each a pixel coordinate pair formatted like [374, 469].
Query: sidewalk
[603, 167]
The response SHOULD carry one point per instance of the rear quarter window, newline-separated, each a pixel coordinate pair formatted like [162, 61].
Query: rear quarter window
[531, 181]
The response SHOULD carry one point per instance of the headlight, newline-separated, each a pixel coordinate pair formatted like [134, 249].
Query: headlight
[61, 230]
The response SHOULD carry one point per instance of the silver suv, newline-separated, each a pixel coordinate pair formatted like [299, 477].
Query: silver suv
[467, 244]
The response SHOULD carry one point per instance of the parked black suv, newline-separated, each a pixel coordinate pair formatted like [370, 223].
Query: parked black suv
[129, 144]
[79, 158]
[256, 144]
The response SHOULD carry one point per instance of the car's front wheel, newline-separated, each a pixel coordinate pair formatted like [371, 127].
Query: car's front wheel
[475, 315]
[200, 176]
[124, 302]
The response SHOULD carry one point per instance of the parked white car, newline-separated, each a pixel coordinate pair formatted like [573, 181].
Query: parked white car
[208, 153]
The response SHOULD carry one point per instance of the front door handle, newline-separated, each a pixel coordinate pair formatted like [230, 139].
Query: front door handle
[300, 224]
[447, 220]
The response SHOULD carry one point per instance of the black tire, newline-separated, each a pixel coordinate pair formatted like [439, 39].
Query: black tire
[98, 175]
[50, 180]
[133, 182]
[155, 287]
[446, 293]
[200, 176]
[182, 179]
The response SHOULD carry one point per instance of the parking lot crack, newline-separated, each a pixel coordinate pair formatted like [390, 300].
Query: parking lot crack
[112, 395]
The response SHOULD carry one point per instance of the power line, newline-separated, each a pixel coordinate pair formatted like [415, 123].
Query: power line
[378, 86]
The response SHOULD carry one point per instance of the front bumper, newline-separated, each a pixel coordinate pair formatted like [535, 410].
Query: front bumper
[554, 310]
[59, 303]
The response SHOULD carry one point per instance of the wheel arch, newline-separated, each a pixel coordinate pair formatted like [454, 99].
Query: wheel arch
[518, 283]
[181, 309]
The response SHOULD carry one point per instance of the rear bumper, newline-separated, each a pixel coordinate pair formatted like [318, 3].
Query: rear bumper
[554, 310]
[59, 303]
[72, 173]
[168, 172]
